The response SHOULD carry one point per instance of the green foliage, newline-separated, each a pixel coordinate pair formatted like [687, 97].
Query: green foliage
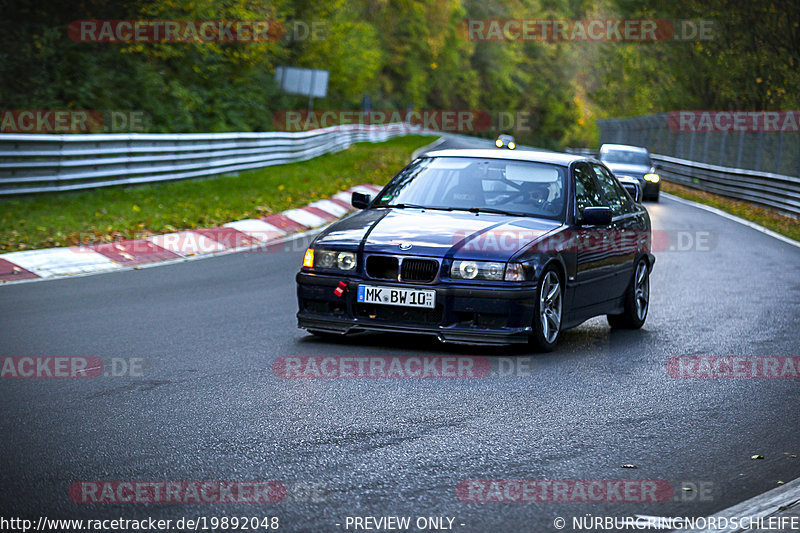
[402, 53]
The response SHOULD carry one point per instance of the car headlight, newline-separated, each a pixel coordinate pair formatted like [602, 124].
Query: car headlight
[329, 260]
[489, 271]
[653, 178]
[485, 270]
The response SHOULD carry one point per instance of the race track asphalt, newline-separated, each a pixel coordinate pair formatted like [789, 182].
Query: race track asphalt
[210, 407]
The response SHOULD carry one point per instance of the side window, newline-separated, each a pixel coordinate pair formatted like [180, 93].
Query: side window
[586, 191]
[613, 191]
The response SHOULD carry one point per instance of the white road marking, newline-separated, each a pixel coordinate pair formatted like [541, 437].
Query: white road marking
[257, 229]
[50, 262]
[770, 503]
[729, 216]
[330, 207]
[255, 247]
[309, 220]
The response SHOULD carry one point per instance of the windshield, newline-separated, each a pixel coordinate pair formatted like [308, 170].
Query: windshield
[625, 157]
[476, 184]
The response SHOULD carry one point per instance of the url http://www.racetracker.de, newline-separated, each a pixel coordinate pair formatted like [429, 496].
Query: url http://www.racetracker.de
[198, 523]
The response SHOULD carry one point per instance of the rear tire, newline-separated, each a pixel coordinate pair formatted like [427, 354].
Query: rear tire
[548, 311]
[637, 300]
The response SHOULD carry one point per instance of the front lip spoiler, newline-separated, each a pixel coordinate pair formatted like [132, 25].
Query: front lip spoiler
[452, 334]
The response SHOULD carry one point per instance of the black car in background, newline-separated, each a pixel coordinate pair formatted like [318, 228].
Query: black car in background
[483, 246]
[632, 162]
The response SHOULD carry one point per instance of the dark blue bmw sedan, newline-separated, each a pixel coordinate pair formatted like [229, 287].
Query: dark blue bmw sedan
[483, 246]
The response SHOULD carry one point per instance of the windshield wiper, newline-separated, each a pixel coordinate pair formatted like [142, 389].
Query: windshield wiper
[494, 211]
[417, 206]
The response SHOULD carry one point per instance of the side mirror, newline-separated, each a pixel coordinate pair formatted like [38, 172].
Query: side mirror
[360, 200]
[596, 216]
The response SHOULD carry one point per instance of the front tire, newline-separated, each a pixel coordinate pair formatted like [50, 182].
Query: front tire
[548, 311]
[637, 300]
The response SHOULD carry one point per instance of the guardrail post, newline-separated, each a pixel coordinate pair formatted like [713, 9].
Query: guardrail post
[758, 150]
[779, 154]
[741, 148]
[663, 134]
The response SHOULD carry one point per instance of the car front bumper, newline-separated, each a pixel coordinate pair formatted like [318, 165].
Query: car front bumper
[651, 189]
[463, 314]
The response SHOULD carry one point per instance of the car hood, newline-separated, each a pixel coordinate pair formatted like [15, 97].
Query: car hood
[628, 170]
[436, 233]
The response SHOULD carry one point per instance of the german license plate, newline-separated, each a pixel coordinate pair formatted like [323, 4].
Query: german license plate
[370, 294]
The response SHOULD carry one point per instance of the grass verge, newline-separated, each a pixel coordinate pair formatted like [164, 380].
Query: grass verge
[769, 218]
[113, 213]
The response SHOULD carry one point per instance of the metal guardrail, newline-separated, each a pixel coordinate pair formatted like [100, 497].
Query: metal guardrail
[31, 163]
[763, 188]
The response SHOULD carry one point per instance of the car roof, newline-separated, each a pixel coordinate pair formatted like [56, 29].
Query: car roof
[556, 158]
[623, 148]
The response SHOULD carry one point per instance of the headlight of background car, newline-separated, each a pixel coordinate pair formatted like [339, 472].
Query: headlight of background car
[652, 177]
[330, 260]
[488, 271]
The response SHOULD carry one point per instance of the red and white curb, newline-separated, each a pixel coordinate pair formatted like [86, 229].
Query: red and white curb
[240, 235]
